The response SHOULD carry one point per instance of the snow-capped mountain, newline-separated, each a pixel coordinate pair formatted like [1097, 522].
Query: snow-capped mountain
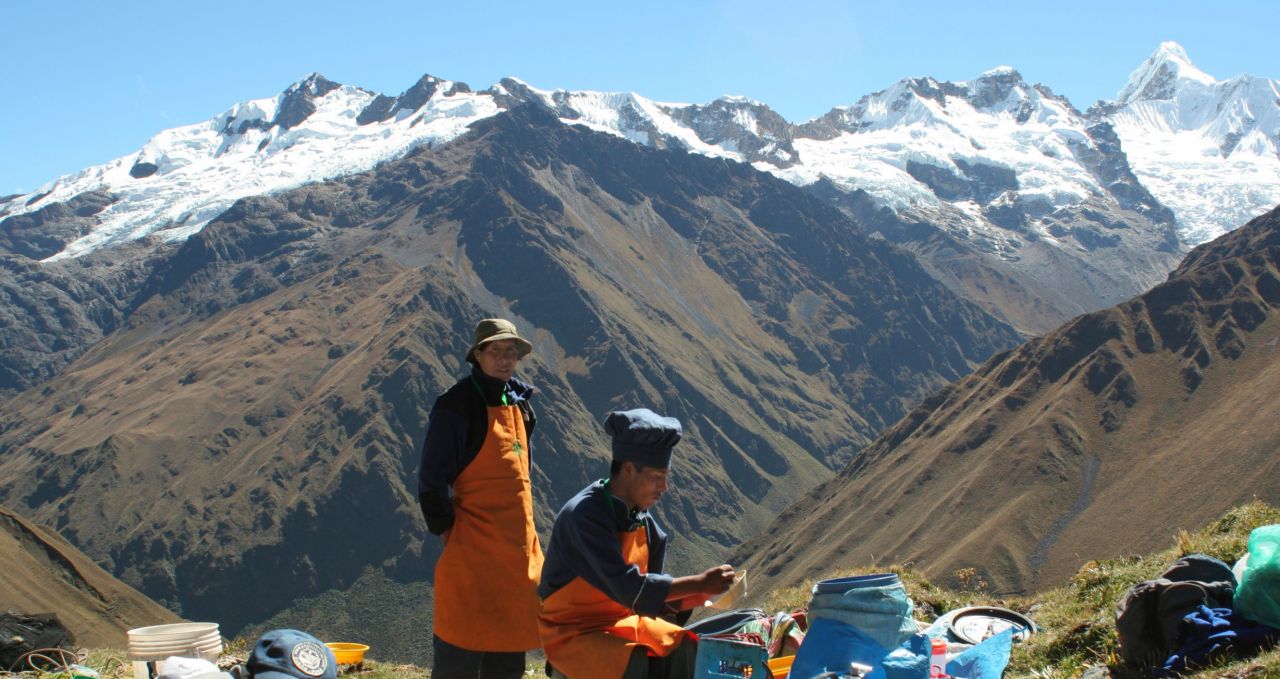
[996, 162]
[313, 131]
[1209, 149]
[1193, 143]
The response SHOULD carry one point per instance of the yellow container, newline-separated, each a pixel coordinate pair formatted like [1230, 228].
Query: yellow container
[781, 667]
[347, 653]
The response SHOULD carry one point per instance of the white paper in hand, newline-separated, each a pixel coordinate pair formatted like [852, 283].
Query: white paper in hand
[736, 591]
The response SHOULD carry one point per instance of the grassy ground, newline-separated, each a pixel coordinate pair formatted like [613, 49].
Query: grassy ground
[1077, 621]
[113, 664]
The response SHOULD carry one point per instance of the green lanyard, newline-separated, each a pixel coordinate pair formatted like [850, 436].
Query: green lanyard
[632, 515]
[515, 446]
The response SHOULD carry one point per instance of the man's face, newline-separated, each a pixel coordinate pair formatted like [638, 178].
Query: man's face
[645, 486]
[498, 359]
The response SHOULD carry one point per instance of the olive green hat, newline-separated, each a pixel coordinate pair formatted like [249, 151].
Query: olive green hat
[494, 329]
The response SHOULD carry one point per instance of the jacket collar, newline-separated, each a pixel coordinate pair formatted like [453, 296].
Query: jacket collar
[624, 519]
[493, 388]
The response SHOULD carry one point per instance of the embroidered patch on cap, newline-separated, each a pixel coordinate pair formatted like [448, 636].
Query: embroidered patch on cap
[310, 658]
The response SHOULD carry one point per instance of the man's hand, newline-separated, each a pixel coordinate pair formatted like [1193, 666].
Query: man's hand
[717, 579]
[692, 590]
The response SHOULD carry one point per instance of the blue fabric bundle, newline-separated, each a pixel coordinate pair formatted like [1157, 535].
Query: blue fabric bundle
[1208, 633]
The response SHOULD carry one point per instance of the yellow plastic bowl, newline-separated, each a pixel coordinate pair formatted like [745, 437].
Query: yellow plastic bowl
[346, 653]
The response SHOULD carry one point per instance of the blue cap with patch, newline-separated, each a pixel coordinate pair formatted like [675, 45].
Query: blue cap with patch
[290, 654]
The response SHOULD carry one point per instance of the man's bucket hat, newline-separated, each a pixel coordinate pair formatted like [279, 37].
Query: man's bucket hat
[494, 329]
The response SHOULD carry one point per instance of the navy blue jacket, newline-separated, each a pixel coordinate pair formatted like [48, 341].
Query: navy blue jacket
[456, 430]
[584, 543]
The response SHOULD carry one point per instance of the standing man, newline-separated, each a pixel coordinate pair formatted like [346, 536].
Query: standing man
[603, 590]
[475, 492]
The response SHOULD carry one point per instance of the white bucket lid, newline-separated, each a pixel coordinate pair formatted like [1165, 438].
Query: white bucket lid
[190, 644]
[170, 641]
[208, 651]
[177, 630]
[174, 650]
[184, 643]
[208, 638]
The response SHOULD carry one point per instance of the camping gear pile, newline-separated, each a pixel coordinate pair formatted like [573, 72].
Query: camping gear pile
[185, 650]
[278, 654]
[862, 627]
[854, 627]
[1199, 609]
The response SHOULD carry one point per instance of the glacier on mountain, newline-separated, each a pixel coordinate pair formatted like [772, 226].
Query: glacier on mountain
[1208, 149]
[194, 173]
[1204, 148]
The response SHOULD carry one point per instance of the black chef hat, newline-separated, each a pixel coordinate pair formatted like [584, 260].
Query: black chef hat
[642, 436]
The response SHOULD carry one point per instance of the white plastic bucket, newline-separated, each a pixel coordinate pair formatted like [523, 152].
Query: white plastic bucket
[150, 646]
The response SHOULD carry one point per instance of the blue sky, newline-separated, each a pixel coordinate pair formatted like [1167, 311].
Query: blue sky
[90, 81]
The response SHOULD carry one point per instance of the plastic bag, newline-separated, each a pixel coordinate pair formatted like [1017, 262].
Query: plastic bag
[831, 645]
[1258, 596]
[987, 660]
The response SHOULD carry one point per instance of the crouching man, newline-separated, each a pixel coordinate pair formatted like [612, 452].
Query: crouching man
[606, 604]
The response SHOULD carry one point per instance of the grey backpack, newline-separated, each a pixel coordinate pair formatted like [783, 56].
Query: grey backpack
[1149, 615]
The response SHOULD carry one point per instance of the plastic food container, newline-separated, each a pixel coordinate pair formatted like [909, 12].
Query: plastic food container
[347, 653]
[781, 667]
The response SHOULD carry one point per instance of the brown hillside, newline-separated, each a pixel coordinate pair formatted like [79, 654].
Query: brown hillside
[40, 572]
[1103, 438]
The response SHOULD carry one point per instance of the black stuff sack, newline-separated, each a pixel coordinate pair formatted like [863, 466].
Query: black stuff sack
[24, 637]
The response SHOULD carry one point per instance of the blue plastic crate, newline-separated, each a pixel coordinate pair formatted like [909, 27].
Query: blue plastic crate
[718, 658]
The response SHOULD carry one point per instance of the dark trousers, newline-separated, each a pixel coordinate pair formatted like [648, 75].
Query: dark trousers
[678, 665]
[452, 662]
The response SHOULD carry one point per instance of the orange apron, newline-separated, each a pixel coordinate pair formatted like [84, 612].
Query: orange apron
[487, 577]
[587, 635]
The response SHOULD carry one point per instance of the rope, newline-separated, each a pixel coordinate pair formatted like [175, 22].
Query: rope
[64, 661]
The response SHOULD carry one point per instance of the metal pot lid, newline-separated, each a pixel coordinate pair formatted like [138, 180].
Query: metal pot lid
[975, 624]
